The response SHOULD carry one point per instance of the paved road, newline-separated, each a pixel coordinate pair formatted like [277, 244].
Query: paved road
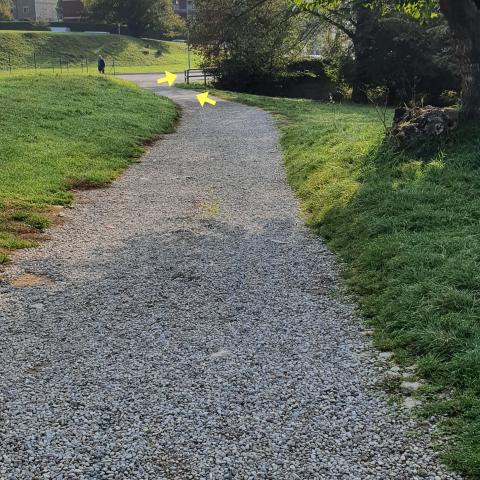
[186, 325]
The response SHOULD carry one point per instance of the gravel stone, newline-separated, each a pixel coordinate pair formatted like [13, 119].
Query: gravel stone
[385, 356]
[410, 387]
[411, 402]
[193, 328]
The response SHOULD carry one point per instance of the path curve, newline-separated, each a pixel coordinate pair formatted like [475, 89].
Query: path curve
[192, 328]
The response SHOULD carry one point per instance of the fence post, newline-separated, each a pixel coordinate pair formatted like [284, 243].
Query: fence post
[86, 63]
[205, 77]
[35, 60]
[61, 68]
[10, 63]
[114, 72]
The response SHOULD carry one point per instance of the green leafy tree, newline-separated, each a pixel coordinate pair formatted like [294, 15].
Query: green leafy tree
[5, 10]
[358, 22]
[463, 17]
[138, 15]
[250, 42]
[415, 62]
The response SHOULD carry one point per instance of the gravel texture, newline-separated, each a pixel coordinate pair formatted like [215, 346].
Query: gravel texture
[190, 327]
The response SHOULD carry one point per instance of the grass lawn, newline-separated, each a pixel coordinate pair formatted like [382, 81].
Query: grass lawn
[59, 49]
[61, 132]
[408, 229]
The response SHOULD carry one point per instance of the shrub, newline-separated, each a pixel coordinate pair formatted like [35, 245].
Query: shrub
[414, 62]
[250, 46]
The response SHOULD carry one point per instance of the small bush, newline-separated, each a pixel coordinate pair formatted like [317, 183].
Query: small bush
[415, 62]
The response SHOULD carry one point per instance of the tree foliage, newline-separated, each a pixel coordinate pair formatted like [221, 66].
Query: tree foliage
[339, 13]
[463, 17]
[248, 41]
[138, 15]
[5, 9]
[415, 63]
[419, 9]
[359, 22]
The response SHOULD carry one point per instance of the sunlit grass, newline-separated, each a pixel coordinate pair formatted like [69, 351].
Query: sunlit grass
[62, 132]
[77, 53]
[407, 226]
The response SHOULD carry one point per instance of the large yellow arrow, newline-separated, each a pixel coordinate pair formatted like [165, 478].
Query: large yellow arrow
[169, 78]
[203, 99]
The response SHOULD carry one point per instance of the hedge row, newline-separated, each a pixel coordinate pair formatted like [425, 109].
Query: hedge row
[78, 27]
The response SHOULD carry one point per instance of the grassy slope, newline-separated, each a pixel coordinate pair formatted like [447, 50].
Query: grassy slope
[130, 53]
[408, 228]
[57, 132]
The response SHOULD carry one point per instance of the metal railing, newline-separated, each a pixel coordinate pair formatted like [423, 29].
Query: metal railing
[202, 73]
[85, 64]
[56, 65]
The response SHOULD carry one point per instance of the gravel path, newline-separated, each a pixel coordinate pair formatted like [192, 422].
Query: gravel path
[190, 327]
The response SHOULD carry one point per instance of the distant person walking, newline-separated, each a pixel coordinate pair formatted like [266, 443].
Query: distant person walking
[101, 65]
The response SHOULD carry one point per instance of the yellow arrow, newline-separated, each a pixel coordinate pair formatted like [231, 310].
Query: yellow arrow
[169, 78]
[203, 99]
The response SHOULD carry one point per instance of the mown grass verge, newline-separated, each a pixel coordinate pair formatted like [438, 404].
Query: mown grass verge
[59, 51]
[59, 133]
[408, 228]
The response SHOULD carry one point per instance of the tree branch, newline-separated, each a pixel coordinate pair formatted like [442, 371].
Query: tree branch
[350, 33]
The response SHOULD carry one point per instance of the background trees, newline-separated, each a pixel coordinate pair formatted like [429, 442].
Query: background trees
[5, 9]
[254, 42]
[138, 15]
[463, 17]
[414, 62]
[358, 23]
[250, 42]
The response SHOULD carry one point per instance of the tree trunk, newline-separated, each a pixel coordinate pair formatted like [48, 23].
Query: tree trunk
[363, 39]
[464, 19]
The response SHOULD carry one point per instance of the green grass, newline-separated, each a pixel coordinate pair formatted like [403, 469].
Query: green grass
[408, 229]
[59, 49]
[60, 132]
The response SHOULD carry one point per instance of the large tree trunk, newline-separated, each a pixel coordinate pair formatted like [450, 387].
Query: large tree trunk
[464, 19]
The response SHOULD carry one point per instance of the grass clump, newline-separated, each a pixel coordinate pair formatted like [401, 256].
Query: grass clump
[60, 132]
[31, 219]
[407, 226]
